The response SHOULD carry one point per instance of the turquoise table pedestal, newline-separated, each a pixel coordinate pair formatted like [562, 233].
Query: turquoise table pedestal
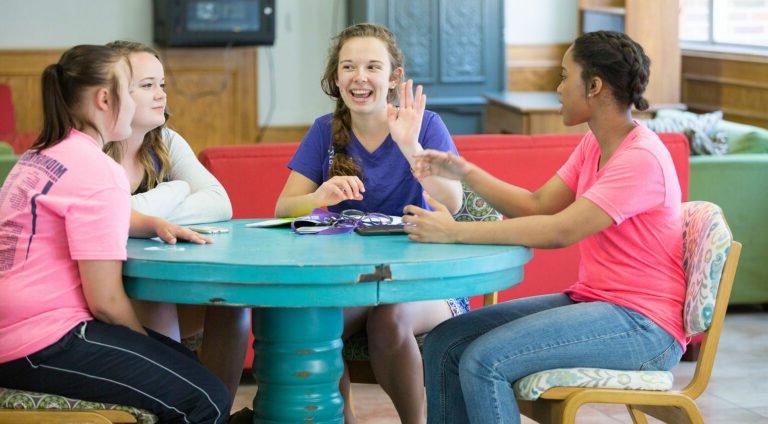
[298, 285]
[298, 365]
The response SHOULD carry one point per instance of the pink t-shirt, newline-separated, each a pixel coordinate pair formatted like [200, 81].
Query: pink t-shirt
[637, 262]
[67, 203]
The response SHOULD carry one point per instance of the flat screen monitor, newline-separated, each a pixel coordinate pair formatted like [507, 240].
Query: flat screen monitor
[207, 23]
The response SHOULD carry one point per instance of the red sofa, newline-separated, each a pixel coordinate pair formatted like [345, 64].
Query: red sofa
[253, 176]
[19, 141]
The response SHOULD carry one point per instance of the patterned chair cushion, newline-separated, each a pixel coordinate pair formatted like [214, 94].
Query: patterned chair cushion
[475, 208]
[19, 399]
[532, 386]
[706, 241]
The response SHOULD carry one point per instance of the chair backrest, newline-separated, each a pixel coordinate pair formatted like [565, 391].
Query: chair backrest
[710, 259]
[7, 123]
[706, 241]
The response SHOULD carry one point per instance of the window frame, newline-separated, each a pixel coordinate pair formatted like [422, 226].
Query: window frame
[713, 46]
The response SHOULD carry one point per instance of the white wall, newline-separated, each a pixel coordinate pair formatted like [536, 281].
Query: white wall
[548, 22]
[65, 23]
[304, 29]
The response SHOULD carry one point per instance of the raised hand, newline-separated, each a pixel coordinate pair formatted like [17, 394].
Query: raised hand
[405, 122]
[338, 189]
[436, 226]
[441, 164]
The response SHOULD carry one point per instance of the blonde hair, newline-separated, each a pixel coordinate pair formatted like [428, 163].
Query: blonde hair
[341, 122]
[153, 140]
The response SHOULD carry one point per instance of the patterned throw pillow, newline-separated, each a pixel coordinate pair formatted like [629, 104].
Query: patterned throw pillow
[475, 208]
[701, 131]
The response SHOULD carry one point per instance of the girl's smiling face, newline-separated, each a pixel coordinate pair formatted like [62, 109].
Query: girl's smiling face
[365, 76]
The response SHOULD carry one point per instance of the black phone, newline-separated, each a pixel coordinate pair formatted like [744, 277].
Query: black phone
[380, 230]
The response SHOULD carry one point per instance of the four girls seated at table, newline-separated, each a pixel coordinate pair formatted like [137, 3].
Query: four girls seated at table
[67, 208]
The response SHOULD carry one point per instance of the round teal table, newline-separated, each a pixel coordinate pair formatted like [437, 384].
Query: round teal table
[300, 283]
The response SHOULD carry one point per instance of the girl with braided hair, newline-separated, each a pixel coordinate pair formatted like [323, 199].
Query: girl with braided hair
[360, 157]
[619, 198]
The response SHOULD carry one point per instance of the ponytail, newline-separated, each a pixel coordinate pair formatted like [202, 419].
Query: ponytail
[58, 119]
[65, 82]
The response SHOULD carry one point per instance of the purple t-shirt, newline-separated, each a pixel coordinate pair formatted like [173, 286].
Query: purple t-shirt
[389, 184]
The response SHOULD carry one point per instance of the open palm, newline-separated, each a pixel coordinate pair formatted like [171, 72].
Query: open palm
[405, 122]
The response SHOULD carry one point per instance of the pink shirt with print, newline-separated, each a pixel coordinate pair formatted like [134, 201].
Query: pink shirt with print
[67, 203]
[637, 261]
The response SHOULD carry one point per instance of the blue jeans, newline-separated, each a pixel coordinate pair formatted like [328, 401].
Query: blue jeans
[472, 360]
[110, 363]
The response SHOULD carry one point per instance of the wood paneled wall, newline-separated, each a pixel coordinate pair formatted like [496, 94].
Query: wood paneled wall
[735, 84]
[534, 67]
[212, 92]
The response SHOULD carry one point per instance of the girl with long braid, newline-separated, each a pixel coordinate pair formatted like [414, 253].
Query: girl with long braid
[619, 198]
[360, 157]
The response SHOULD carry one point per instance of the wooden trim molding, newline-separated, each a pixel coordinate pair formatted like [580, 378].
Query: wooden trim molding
[733, 84]
[212, 91]
[534, 67]
[284, 134]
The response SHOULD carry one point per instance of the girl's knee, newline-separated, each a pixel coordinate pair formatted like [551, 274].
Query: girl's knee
[477, 360]
[388, 327]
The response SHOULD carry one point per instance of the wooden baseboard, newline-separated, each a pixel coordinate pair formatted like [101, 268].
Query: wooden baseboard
[284, 134]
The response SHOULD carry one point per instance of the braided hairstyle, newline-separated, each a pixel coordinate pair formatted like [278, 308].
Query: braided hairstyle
[341, 123]
[616, 59]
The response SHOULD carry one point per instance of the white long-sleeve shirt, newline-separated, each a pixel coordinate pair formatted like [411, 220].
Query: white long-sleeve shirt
[192, 195]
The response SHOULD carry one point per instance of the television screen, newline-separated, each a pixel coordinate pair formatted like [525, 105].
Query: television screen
[191, 23]
[224, 16]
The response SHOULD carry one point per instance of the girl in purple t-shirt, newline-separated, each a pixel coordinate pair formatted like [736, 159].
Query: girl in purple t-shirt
[619, 198]
[360, 157]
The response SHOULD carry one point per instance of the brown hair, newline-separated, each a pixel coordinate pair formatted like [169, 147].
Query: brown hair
[341, 123]
[618, 60]
[63, 85]
[153, 140]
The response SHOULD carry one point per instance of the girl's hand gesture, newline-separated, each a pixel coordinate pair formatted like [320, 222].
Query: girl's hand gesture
[436, 226]
[440, 164]
[405, 122]
[171, 233]
[339, 189]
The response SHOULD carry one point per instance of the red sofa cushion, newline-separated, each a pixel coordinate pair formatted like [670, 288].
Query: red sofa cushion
[7, 122]
[254, 175]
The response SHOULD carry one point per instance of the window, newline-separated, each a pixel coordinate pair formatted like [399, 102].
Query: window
[726, 23]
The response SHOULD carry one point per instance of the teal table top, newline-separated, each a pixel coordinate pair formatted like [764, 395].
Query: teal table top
[275, 267]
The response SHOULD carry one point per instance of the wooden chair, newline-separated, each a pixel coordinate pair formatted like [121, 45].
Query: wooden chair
[710, 258]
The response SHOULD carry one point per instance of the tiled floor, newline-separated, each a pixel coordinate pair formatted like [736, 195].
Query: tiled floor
[737, 392]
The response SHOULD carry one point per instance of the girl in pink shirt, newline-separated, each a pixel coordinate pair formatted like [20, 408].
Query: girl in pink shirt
[66, 324]
[619, 198]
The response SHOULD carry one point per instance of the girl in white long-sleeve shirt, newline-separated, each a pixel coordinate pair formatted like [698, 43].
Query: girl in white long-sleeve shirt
[189, 194]
[167, 180]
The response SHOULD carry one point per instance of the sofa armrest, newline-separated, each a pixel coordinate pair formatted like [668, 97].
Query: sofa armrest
[737, 184]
